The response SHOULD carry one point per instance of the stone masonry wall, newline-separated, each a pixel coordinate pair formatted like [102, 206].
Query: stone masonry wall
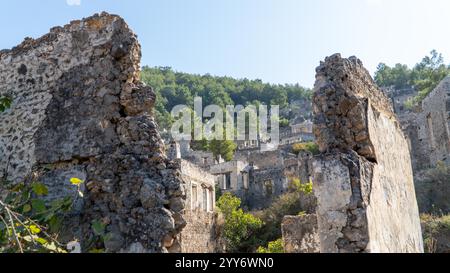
[79, 110]
[300, 234]
[363, 178]
[202, 233]
[434, 125]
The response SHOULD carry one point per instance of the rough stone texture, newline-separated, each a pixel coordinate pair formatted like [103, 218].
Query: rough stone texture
[79, 110]
[363, 179]
[300, 234]
[427, 125]
[264, 187]
[201, 233]
[434, 125]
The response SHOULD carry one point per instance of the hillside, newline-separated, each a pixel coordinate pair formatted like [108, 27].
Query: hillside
[173, 88]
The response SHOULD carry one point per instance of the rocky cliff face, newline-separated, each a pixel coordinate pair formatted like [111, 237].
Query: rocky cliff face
[79, 110]
[363, 178]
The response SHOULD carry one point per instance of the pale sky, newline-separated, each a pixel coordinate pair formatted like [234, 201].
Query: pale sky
[278, 41]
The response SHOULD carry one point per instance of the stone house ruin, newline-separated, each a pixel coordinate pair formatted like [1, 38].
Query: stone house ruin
[427, 126]
[294, 133]
[433, 125]
[201, 235]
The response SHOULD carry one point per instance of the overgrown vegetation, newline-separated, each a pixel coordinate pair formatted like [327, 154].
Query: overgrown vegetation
[273, 247]
[310, 147]
[30, 224]
[219, 148]
[174, 88]
[299, 199]
[239, 226]
[260, 231]
[433, 190]
[436, 233]
[423, 77]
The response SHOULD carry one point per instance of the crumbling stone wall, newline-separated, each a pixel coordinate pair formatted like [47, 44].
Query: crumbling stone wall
[300, 234]
[363, 178]
[202, 231]
[79, 110]
[427, 126]
[202, 234]
[434, 125]
[264, 187]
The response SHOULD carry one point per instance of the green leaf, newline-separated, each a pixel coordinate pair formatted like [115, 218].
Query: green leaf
[98, 228]
[18, 188]
[55, 224]
[38, 205]
[67, 204]
[26, 208]
[40, 189]
[34, 229]
[48, 215]
[42, 241]
[76, 181]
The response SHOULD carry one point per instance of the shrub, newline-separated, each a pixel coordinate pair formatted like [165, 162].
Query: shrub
[273, 247]
[310, 147]
[436, 233]
[433, 190]
[239, 226]
[296, 185]
[299, 200]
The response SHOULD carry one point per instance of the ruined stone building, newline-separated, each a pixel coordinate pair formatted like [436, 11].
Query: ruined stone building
[294, 133]
[201, 234]
[79, 110]
[257, 177]
[433, 123]
[363, 178]
[400, 97]
[427, 125]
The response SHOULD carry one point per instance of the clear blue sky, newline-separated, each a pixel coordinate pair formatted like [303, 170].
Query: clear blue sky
[278, 41]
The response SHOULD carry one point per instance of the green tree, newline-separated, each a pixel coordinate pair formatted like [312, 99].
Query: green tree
[273, 247]
[223, 148]
[239, 226]
[299, 199]
[173, 88]
[428, 74]
[423, 77]
[398, 76]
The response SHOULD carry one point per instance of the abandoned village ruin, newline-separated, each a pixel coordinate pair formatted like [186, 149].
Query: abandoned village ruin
[80, 110]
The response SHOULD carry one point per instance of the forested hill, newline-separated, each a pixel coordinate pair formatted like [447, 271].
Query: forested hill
[423, 77]
[174, 88]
